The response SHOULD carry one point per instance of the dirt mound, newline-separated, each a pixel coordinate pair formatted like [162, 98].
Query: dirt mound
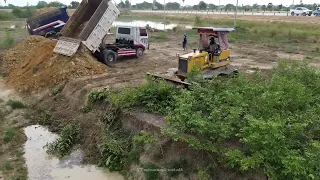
[32, 65]
[45, 10]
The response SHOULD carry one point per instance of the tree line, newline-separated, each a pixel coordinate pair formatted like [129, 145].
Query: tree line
[44, 4]
[204, 6]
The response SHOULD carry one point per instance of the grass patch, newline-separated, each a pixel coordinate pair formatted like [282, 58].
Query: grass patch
[5, 16]
[8, 41]
[57, 89]
[160, 36]
[45, 117]
[86, 109]
[69, 136]
[97, 96]
[2, 114]
[150, 172]
[9, 135]
[6, 165]
[15, 104]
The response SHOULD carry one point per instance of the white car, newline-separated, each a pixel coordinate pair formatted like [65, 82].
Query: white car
[302, 11]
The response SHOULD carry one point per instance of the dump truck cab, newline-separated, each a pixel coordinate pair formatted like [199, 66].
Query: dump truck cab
[138, 36]
[206, 57]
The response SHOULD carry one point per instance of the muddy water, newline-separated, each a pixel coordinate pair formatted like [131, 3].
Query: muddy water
[41, 166]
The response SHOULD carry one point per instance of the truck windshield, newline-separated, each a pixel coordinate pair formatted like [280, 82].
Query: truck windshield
[123, 30]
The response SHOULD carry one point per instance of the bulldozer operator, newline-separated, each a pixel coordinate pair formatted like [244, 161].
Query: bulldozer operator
[214, 48]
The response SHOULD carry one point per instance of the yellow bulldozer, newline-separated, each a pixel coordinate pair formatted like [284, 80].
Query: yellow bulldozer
[212, 58]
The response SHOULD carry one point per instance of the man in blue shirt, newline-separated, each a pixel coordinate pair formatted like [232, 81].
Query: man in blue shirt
[184, 43]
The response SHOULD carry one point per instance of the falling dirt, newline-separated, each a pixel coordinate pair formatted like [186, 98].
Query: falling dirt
[32, 65]
[45, 10]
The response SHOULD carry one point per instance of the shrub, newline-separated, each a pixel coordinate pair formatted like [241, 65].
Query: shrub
[97, 95]
[9, 134]
[8, 41]
[4, 16]
[151, 172]
[24, 13]
[69, 136]
[197, 21]
[15, 104]
[249, 122]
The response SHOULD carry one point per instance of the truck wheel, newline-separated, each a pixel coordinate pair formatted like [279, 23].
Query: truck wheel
[292, 13]
[304, 14]
[109, 57]
[139, 52]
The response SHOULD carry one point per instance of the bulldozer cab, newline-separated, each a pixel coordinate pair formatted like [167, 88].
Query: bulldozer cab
[215, 42]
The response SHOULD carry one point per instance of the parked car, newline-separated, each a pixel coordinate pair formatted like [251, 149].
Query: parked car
[316, 13]
[302, 11]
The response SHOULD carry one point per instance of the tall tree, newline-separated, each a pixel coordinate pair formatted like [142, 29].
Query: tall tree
[270, 6]
[41, 4]
[74, 4]
[255, 6]
[229, 7]
[202, 5]
[212, 6]
[127, 4]
[121, 4]
[195, 7]
[172, 6]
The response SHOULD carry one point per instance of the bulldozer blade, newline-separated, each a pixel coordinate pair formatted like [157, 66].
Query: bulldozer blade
[171, 80]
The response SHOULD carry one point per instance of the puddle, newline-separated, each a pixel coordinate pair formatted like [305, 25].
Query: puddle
[152, 24]
[41, 166]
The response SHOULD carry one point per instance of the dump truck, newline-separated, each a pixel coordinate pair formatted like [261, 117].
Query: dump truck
[89, 25]
[48, 24]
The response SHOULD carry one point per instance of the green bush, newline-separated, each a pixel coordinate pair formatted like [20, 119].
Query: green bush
[156, 96]
[250, 122]
[151, 172]
[4, 16]
[97, 95]
[9, 134]
[24, 13]
[8, 41]
[115, 149]
[69, 136]
[15, 104]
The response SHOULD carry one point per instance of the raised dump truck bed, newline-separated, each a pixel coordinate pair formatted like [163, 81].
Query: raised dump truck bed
[95, 18]
[48, 23]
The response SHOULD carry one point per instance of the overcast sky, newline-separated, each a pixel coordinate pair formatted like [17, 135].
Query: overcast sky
[187, 2]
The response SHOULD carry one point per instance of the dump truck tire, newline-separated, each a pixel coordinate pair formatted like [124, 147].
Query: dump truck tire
[109, 57]
[139, 52]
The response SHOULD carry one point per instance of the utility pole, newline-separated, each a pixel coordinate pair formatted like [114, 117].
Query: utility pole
[235, 15]
[164, 10]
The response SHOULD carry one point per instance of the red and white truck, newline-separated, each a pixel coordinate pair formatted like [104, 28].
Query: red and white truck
[97, 17]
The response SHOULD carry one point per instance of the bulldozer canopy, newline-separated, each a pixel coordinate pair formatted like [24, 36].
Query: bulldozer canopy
[220, 33]
[212, 30]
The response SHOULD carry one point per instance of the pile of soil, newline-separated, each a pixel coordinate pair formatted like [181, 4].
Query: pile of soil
[33, 66]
